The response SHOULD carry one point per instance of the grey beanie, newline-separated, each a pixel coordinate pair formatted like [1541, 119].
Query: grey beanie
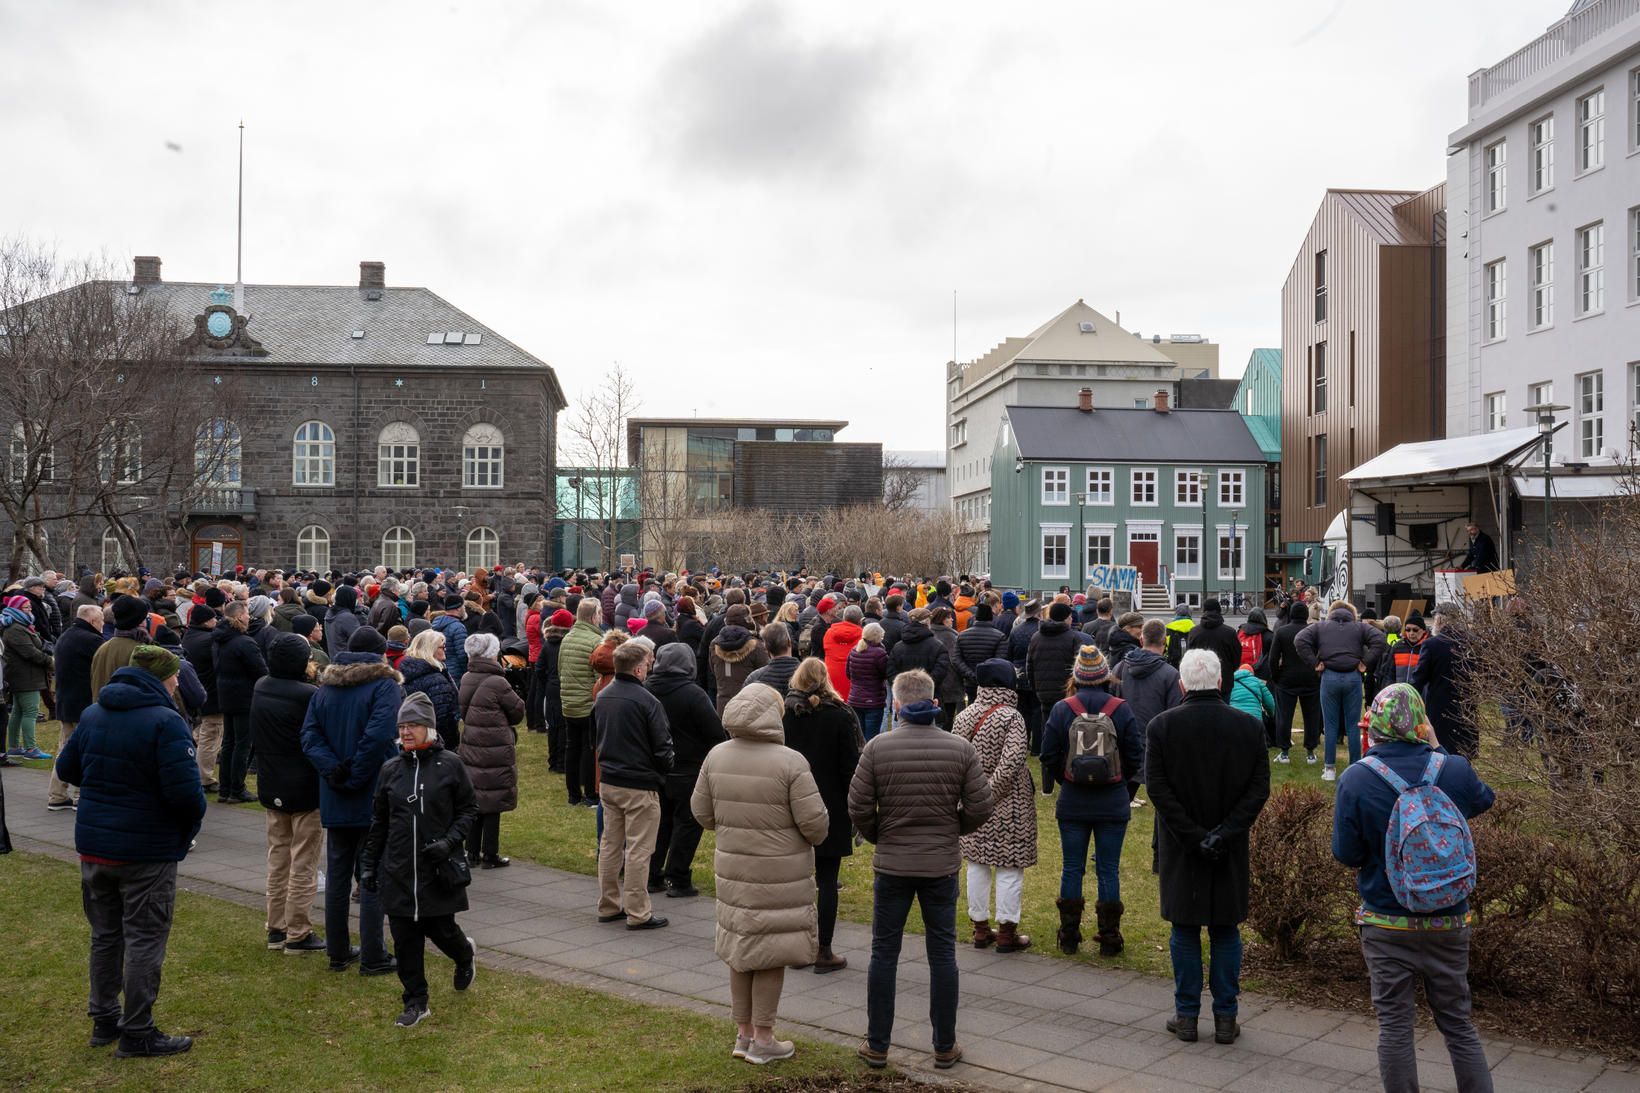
[417, 709]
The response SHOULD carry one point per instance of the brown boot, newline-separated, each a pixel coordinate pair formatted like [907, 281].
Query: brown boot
[1109, 916]
[983, 934]
[1070, 924]
[1010, 940]
[827, 961]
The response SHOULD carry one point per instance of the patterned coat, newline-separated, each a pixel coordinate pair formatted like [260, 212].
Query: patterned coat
[1008, 838]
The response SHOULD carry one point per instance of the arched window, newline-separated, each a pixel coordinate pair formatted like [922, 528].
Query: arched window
[21, 455]
[313, 455]
[483, 549]
[113, 552]
[398, 456]
[398, 548]
[313, 549]
[119, 454]
[217, 453]
[481, 455]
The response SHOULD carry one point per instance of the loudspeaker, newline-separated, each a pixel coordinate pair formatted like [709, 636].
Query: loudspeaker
[1517, 518]
[1424, 536]
[1384, 519]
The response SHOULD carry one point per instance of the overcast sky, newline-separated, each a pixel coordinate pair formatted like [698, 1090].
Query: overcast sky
[757, 208]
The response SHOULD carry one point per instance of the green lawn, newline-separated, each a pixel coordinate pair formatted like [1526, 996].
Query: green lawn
[546, 829]
[265, 1021]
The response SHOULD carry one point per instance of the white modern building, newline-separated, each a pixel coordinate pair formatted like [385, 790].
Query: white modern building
[1543, 237]
[925, 469]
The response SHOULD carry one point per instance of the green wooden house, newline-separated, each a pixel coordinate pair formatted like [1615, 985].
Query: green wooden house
[1161, 490]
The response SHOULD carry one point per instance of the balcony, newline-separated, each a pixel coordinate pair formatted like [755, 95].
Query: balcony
[219, 501]
[1554, 45]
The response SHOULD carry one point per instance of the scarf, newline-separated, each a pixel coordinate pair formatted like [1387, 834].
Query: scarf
[10, 616]
[1396, 714]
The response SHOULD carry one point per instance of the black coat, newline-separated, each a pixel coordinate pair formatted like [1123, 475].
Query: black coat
[198, 645]
[659, 633]
[420, 796]
[692, 632]
[429, 679]
[239, 664]
[1440, 663]
[893, 624]
[1019, 641]
[977, 644]
[75, 649]
[1050, 659]
[920, 648]
[825, 735]
[631, 736]
[1288, 670]
[1207, 770]
[1218, 638]
[285, 780]
[690, 714]
[552, 690]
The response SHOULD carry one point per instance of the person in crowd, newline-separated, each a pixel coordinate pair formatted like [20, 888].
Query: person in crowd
[311, 628]
[1149, 684]
[918, 649]
[1402, 947]
[1178, 633]
[1218, 637]
[342, 620]
[74, 652]
[1001, 851]
[634, 746]
[1126, 636]
[1253, 697]
[576, 679]
[349, 733]
[239, 664]
[421, 671]
[1208, 775]
[841, 638]
[950, 692]
[450, 626]
[868, 679]
[777, 641]
[1438, 679]
[384, 612]
[199, 649]
[696, 729]
[824, 612]
[140, 808]
[290, 606]
[490, 713]
[1019, 645]
[1051, 656]
[976, 645]
[422, 812]
[261, 629]
[130, 618]
[288, 788]
[1102, 625]
[736, 654]
[1482, 555]
[893, 620]
[530, 625]
[915, 793]
[1405, 653]
[655, 628]
[824, 730]
[554, 628]
[1093, 747]
[398, 640]
[1343, 651]
[1254, 636]
[761, 800]
[1295, 685]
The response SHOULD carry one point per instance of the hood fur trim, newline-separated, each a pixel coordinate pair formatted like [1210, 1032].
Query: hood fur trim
[353, 675]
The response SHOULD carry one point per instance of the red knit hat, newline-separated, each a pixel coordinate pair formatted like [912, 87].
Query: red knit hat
[561, 618]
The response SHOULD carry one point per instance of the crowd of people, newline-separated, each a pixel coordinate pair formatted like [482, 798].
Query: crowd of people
[794, 716]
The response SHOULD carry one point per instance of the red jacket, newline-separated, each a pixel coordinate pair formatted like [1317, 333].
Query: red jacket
[841, 637]
[532, 633]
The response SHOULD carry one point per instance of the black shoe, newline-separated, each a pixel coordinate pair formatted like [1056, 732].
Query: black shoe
[347, 961]
[466, 972]
[656, 887]
[1225, 1030]
[605, 920]
[214, 787]
[223, 799]
[276, 939]
[243, 798]
[155, 1043]
[653, 922]
[682, 891]
[388, 968]
[60, 806]
[590, 802]
[104, 1031]
[1184, 1028]
[312, 943]
[412, 1016]
[497, 862]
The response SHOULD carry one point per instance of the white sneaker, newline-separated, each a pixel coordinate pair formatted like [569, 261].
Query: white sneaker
[761, 1052]
[1282, 758]
[1309, 757]
[1328, 774]
[742, 1045]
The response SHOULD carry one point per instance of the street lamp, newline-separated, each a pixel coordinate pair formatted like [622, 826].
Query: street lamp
[1081, 499]
[1235, 561]
[1545, 413]
[1203, 479]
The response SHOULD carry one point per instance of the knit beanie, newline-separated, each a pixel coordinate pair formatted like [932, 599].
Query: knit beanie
[19, 602]
[199, 615]
[996, 672]
[157, 662]
[983, 612]
[129, 612]
[214, 597]
[303, 624]
[367, 639]
[634, 624]
[1091, 668]
[562, 619]
[1010, 600]
[1059, 612]
[919, 713]
[417, 709]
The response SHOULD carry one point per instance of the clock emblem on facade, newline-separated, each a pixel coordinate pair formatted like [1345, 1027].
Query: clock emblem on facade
[221, 329]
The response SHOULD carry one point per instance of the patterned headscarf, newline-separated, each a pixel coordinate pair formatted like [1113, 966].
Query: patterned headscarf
[1396, 714]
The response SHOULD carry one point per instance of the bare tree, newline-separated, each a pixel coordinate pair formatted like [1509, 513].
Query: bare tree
[593, 438]
[901, 482]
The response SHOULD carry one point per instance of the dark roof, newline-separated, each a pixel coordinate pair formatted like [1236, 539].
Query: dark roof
[1132, 436]
[1207, 394]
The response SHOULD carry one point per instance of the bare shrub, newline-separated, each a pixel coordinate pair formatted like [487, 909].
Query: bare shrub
[1514, 893]
[1298, 891]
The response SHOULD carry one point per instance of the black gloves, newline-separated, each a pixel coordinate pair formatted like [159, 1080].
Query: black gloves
[1212, 848]
[339, 774]
[438, 849]
[367, 879]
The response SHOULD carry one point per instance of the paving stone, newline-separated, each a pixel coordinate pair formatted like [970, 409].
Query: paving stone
[1200, 1063]
[1337, 1056]
[1545, 1073]
[1075, 1073]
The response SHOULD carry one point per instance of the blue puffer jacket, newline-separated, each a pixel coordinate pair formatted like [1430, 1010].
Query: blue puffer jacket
[133, 759]
[429, 679]
[352, 723]
[455, 646]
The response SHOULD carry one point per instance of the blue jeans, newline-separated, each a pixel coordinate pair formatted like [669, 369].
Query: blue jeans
[343, 846]
[1224, 950]
[937, 899]
[1106, 836]
[871, 720]
[1341, 712]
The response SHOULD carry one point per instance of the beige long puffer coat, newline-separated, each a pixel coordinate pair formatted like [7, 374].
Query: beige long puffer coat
[760, 798]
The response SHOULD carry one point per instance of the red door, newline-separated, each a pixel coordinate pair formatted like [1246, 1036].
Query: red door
[1142, 556]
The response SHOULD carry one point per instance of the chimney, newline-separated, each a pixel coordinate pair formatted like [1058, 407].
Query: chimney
[145, 270]
[1084, 400]
[372, 275]
[1160, 404]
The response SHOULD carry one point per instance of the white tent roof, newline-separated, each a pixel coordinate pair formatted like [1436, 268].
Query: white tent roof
[1445, 457]
[1571, 487]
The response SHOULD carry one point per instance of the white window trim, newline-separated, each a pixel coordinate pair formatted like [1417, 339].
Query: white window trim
[1045, 530]
[1110, 486]
[1596, 269]
[1495, 309]
[1223, 478]
[1183, 476]
[1065, 482]
[1599, 122]
[1221, 537]
[1155, 491]
[297, 460]
[1089, 531]
[497, 445]
[1534, 149]
[1187, 531]
[1501, 173]
[1546, 287]
[384, 461]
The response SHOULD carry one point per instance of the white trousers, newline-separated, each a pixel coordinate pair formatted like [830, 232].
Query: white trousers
[1010, 890]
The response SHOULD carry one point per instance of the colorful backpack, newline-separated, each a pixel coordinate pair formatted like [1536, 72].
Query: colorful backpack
[1429, 854]
[1093, 755]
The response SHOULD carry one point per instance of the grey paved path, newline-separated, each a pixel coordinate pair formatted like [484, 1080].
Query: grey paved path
[1026, 1022]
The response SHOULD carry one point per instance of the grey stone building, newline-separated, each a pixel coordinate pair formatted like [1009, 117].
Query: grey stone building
[376, 425]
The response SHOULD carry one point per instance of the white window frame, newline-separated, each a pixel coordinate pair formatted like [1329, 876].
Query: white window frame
[229, 469]
[959, 432]
[399, 550]
[1634, 403]
[1495, 276]
[1056, 486]
[1540, 394]
[1232, 488]
[1591, 268]
[1497, 411]
[1061, 532]
[313, 549]
[119, 453]
[313, 455]
[1540, 275]
[1223, 545]
[1540, 173]
[1496, 160]
[1634, 252]
[1182, 569]
[1149, 476]
[1591, 414]
[483, 548]
[1634, 109]
[1591, 131]
[483, 457]
[1101, 485]
[1187, 487]
[398, 456]
[1107, 534]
